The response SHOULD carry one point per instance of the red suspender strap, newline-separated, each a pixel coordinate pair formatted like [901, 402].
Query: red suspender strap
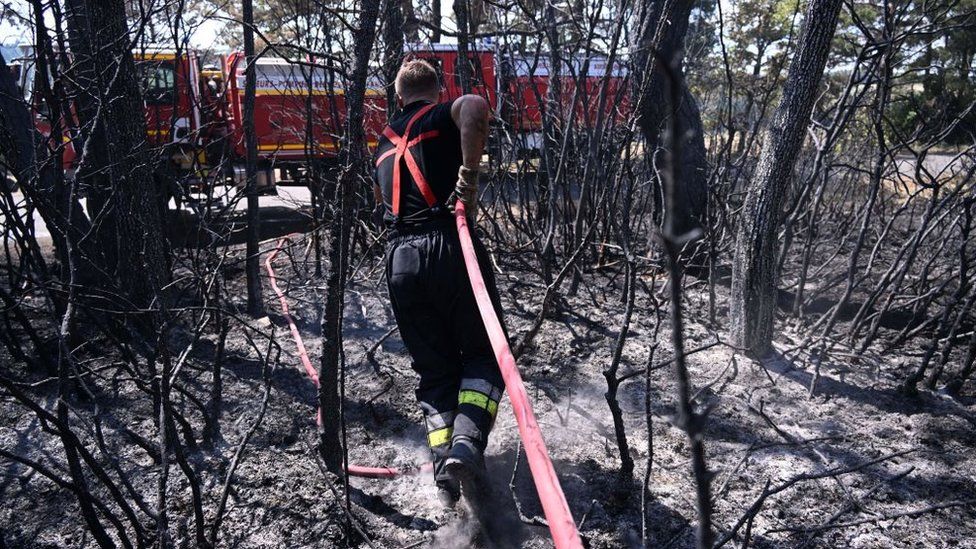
[401, 150]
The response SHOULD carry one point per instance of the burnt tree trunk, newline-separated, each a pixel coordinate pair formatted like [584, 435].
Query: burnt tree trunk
[754, 275]
[411, 25]
[393, 51]
[462, 66]
[663, 30]
[255, 303]
[435, 20]
[114, 159]
[477, 15]
[548, 155]
[659, 85]
[353, 159]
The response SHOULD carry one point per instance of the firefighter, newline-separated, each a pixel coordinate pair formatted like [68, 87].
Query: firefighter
[426, 159]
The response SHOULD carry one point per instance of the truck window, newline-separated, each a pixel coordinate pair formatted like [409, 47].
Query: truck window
[158, 82]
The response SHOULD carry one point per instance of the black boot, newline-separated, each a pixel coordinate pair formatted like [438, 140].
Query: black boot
[448, 492]
[466, 464]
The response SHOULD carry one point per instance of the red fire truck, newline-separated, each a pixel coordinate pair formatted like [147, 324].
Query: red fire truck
[196, 115]
[172, 96]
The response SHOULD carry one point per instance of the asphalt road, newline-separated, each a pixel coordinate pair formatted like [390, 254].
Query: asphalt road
[939, 166]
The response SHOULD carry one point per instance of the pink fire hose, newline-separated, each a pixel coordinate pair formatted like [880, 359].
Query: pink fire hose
[561, 523]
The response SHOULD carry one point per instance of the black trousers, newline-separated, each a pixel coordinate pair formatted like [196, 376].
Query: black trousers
[460, 383]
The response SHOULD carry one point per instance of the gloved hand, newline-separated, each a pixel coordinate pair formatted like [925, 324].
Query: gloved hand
[466, 190]
[377, 217]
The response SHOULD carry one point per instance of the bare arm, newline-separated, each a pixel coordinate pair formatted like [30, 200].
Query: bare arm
[470, 114]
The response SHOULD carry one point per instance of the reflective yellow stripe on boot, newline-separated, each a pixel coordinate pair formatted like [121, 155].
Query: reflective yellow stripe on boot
[478, 399]
[440, 437]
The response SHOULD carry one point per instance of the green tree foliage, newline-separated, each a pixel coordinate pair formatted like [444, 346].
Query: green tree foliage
[757, 36]
[941, 86]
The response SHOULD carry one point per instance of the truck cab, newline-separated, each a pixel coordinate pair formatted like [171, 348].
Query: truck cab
[170, 84]
[174, 102]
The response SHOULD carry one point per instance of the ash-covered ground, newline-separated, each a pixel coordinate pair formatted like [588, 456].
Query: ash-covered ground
[891, 470]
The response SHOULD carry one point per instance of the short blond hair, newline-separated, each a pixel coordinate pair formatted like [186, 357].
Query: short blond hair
[416, 77]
